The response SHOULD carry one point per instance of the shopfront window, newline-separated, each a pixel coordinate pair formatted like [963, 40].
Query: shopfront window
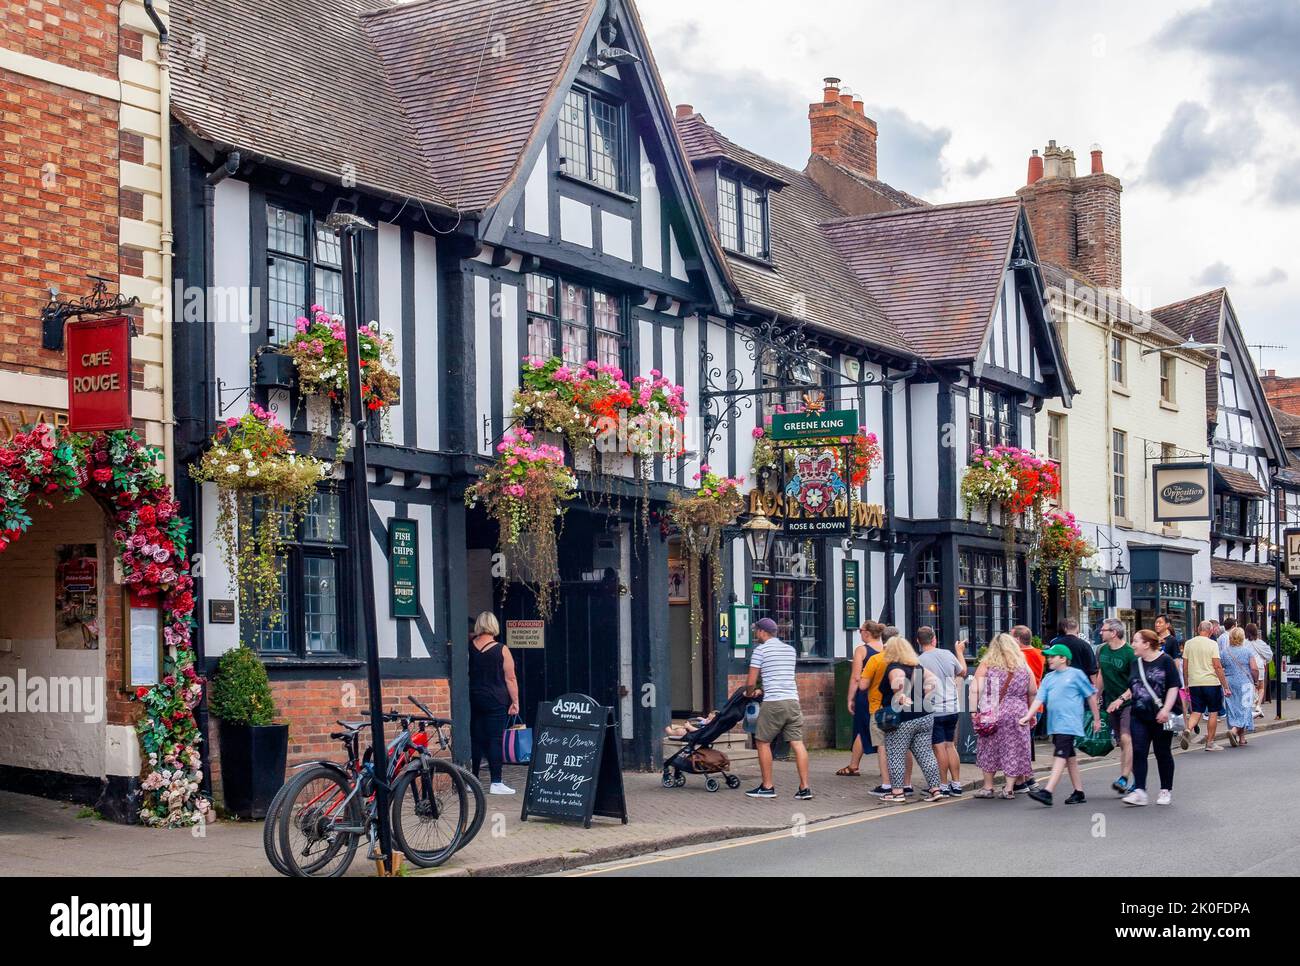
[790, 592]
[1171, 597]
[989, 597]
[929, 593]
[313, 566]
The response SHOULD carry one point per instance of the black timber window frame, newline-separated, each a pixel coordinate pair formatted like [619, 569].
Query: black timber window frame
[318, 550]
[928, 592]
[788, 588]
[990, 598]
[743, 219]
[992, 418]
[576, 321]
[303, 267]
[587, 126]
[1237, 517]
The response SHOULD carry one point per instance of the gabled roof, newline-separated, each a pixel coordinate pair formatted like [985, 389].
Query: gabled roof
[1199, 318]
[1062, 277]
[1288, 427]
[807, 279]
[1239, 481]
[432, 99]
[937, 270]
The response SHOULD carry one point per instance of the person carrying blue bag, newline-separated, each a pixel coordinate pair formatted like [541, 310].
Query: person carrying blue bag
[493, 698]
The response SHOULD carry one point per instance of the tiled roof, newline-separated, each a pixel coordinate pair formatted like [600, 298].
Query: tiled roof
[891, 197]
[1061, 277]
[1238, 572]
[806, 279]
[1198, 318]
[432, 99]
[299, 82]
[1239, 481]
[937, 270]
[1288, 426]
[474, 77]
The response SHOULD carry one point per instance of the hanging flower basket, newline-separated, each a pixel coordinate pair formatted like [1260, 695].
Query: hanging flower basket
[151, 540]
[1060, 549]
[319, 351]
[863, 454]
[701, 519]
[264, 489]
[526, 491]
[1017, 480]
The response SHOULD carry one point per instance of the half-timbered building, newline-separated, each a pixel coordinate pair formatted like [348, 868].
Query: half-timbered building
[1247, 451]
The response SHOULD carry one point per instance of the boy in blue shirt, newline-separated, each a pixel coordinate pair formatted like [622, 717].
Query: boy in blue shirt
[1063, 691]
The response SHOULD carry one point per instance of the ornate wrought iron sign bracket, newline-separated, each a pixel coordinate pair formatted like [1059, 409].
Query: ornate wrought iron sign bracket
[57, 312]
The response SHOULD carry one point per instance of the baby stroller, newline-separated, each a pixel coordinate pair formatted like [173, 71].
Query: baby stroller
[697, 757]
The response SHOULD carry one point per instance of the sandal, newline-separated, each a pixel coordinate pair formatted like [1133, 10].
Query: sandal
[894, 799]
[1007, 796]
[933, 795]
[984, 793]
[848, 771]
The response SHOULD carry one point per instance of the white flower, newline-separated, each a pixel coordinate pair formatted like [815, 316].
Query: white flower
[253, 471]
[247, 454]
[232, 468]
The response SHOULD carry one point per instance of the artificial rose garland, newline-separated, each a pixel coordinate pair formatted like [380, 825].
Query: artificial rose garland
[151, 539]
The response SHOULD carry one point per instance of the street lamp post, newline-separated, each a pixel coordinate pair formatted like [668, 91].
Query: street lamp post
[346, 227]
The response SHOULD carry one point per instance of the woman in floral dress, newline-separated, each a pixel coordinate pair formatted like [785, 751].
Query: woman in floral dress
[1006, 688]
[1238, 665]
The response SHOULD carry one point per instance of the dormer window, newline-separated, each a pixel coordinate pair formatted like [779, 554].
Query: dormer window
[591, 139]
[742, 217]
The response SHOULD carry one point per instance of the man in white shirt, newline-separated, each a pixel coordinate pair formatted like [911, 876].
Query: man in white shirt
[780, 714]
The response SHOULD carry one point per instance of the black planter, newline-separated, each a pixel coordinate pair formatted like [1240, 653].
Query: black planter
[252, 766]
[275, 370]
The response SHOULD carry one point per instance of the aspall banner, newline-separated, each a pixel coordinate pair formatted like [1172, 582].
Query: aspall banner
[1182, 492]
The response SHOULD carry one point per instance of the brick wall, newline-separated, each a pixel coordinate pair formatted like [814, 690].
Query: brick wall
[311, 708]
[842, 133]
[1076, 224]
[816, 701]
[58, 208]
[1283, 392]
[74, 33]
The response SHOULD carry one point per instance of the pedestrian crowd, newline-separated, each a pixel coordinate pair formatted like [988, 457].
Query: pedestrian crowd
[1139, 696]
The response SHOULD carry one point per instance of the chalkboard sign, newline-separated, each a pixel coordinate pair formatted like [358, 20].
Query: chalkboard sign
[576, 771]
[967, 740]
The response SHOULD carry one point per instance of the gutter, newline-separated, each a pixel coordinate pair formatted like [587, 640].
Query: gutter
[167, 250]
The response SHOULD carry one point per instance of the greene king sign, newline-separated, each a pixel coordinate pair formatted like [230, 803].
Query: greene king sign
[1181, 492]
[839, 422]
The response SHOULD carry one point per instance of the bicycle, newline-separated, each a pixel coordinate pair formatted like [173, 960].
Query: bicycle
[321, 815]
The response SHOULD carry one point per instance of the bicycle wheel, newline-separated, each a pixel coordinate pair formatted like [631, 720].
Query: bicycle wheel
[317, 824]
[429, 811]
[271, 832]
[475, 789]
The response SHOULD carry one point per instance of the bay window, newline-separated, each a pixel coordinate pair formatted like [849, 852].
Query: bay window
[787, 587]
[992, 419]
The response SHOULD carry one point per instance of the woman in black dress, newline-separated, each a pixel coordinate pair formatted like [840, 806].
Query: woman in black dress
[493, 697]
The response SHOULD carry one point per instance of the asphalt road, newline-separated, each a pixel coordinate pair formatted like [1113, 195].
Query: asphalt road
[1230, 816]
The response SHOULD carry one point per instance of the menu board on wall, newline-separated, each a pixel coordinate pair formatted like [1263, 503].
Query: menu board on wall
[145, 645]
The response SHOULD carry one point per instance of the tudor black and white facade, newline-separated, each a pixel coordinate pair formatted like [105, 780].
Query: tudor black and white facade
[1247, 451]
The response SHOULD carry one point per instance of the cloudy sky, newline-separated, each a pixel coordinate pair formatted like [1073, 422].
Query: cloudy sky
[1196, 106]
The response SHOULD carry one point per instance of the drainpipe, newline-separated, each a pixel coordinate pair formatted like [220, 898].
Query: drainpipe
[166, 238]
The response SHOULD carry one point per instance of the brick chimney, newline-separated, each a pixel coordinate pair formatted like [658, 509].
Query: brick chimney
[841, 130]
[1075, 218]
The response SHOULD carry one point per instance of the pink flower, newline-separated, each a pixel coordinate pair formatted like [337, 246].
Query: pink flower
[758, 432]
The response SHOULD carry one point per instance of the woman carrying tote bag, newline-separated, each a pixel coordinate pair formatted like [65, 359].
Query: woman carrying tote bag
[493, 697]
[1154, 690]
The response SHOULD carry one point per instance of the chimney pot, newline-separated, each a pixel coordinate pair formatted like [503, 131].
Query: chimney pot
[1097, 166]
[841, 131]
[831, 90]
[685, 110]
[1035, 168]
[859, 106]
[847, 100]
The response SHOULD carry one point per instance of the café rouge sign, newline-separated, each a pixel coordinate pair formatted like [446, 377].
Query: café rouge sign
[99, 374]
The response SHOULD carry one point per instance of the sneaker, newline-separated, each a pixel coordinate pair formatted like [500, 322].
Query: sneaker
[1077, 797]
[909, 791]
[880, 791]
[1166, 797]
[1209, 747]
[1042, 796]
[1259, 712]
[1184, 739]
[954, 789]
[1136, 797]
[761, 791]
[804, 794]
[1120, 785]
[500, 788]
[1028, 786]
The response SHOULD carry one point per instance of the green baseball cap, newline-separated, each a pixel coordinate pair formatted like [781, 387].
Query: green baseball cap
[1058, 650]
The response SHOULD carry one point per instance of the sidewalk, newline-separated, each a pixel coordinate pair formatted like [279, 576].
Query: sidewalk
[42, 837]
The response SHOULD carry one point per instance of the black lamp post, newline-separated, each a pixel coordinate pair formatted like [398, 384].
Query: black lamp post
[1118, 576]
[347, 226]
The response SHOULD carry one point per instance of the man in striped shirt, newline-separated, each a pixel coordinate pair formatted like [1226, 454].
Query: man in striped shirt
[779, 715]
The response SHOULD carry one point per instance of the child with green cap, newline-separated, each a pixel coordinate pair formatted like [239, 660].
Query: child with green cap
[1063, 691]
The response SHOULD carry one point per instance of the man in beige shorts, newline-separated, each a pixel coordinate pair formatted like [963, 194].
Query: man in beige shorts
[779, 715]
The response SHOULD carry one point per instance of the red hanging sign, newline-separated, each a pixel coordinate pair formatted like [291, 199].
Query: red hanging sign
[99, 374]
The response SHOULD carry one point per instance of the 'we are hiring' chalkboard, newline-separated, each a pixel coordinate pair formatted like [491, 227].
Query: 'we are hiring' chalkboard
[576, 771]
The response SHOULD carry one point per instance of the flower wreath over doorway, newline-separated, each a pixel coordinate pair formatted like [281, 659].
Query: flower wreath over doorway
[151, 538]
